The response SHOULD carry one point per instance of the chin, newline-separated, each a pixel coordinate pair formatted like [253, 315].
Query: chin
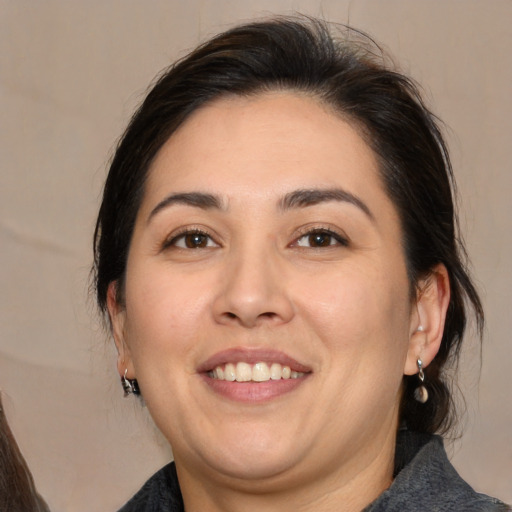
[254, 464]
[253, 456]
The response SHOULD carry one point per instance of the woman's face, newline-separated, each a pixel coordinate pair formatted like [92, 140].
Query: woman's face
[265, 236]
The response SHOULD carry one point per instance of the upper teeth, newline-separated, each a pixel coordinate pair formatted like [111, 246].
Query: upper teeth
[259, 372]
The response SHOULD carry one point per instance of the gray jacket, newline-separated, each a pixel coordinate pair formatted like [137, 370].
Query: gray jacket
[425, 480]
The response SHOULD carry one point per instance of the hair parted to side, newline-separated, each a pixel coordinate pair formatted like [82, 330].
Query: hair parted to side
[345, 70]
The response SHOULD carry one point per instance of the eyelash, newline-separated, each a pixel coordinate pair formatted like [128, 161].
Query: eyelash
[172, 241]
[340, 240]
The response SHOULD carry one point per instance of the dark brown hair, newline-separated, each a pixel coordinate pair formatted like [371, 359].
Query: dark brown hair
[17, 489]
[348, 72]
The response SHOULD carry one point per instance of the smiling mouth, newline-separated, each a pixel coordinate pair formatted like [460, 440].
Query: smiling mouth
[253, 376]
[258, 372]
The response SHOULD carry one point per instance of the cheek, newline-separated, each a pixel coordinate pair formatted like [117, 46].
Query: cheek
[163, 313]
[357, 303]
[362, 319]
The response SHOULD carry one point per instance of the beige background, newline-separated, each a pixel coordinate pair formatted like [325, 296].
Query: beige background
[71, 73]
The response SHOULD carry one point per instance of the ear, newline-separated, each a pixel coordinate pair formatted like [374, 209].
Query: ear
[117, 315]
[427, 322]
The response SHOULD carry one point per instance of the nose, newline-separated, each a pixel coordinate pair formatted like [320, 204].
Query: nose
[253, 291]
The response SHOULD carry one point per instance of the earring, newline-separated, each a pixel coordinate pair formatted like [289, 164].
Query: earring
[421, 393]
[420, 328]
[129, 385]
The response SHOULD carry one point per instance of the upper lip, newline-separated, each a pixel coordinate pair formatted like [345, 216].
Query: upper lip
[251, 356]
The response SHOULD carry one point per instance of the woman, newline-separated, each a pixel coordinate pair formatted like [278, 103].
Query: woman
[278, 255]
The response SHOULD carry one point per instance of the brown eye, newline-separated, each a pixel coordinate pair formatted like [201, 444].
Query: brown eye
[195, 240]
[319, 239]
[192, 240]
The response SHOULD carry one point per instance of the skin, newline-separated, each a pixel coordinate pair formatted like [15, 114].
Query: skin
[260, 281]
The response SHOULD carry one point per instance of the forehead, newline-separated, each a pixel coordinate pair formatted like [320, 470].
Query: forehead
[263, 146]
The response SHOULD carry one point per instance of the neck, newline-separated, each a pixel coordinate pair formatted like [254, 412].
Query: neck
[346, 489]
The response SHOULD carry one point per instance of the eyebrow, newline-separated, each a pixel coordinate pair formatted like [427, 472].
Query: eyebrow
[301, 198]
[310, 197]
[194, 199]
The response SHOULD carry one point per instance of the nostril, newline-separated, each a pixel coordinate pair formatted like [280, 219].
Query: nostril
[234, 316]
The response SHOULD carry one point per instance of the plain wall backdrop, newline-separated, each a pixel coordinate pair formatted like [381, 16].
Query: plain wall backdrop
[71, 73]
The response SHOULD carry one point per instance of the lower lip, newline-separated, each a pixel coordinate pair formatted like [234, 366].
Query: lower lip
[253, 392]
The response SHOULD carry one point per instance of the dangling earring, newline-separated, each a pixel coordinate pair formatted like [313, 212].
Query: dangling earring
[421, 393]
[129, 385]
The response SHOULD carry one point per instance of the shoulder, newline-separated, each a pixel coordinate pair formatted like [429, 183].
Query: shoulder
[161, 493]
[426, 480]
